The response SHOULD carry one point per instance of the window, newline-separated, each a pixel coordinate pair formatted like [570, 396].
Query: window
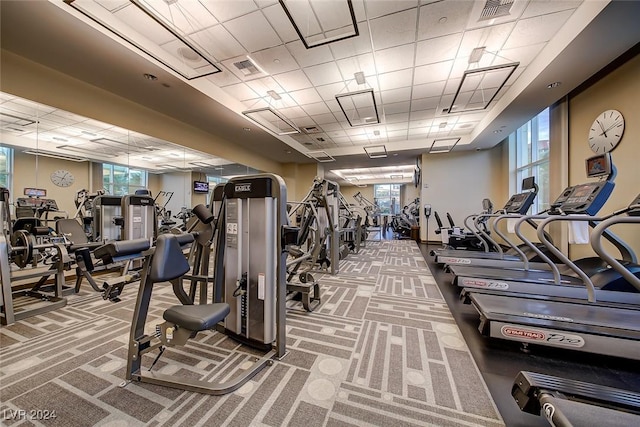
[387, 198]
[6, 163]
[120, 180]
[532, 157]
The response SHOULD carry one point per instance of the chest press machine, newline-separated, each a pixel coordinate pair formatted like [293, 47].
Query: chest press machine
[249, 285]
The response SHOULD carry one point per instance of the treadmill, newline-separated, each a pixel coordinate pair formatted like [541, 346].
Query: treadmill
[574, 202]
[516, 206]
[578, 325]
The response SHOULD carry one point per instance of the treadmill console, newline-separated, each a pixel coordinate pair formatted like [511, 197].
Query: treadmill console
[584, 198]
[520, 203]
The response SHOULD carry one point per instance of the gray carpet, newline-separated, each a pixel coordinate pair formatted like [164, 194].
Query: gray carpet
[381, 350]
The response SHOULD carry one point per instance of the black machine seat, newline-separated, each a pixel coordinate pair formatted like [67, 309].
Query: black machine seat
[122, 248]
[197, 317]
[75, 233]
[168, 264]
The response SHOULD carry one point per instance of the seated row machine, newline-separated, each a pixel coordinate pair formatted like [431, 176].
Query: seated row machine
[249, 285]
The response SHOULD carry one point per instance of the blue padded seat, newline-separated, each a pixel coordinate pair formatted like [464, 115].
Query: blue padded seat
[197, 317]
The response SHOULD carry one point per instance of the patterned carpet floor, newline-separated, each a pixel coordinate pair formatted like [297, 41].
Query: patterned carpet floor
[381, 350]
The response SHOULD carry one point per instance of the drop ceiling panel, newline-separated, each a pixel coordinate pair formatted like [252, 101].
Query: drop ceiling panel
[293, 80]
[437, 49]
[316, 109]
[537, 29]
[253, 31]
[544, 7]
[279, 21]
[275, 60]
[241, 92]
[394, 30]
[432, 72]
[329, 92]
[354, 45]
[376, 9]
[225, 10]
[307, 57]
[350, 66]
[306, 96]
[492, 38]
[443, 18]
[395, 79]
[395, 58]
[396, 95]
[323, 74]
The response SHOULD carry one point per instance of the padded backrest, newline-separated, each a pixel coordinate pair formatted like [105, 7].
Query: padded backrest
[451, 223]
[168, 260]
[437, 217]
[73, 230]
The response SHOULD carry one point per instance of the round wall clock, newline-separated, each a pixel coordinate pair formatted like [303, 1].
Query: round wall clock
[606, 131]
[62, 178]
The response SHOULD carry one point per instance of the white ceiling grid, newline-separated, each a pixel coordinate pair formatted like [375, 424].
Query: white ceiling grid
[412, 53]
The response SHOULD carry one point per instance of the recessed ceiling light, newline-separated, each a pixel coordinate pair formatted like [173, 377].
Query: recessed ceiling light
[497, 131]
[442, 20]
[246, 129]
[554, 84]
[395, 154]
[150, 76]
[443, 125]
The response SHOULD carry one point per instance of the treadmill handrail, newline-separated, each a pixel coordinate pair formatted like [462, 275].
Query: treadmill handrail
[591, 293]
[596, 244]
[529, 219]
[485, 246]
[504, 237]
[484, 234]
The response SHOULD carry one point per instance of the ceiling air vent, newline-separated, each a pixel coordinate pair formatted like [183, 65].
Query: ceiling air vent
[311, 129]
[320, 139]
[247, 67]
[496, 8]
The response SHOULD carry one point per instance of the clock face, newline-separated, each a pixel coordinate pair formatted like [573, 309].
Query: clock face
[62, 178]
[606, 131]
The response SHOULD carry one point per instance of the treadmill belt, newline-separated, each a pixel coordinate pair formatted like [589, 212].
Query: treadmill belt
[529, 276]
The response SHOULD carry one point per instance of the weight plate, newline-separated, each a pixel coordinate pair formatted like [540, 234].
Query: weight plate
[22, 248]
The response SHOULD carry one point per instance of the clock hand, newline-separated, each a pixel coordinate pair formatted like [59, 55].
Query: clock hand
[612, 126]
[604, 132]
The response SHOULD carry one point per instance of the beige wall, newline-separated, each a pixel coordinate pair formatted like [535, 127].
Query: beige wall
[298, 178]
[619, 90]
[457, 182]
[35, 171]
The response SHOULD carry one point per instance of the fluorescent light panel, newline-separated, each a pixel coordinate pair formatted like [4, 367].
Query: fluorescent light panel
[320, 22]
[272, 121]
[443, 145]
[376, 151]
[181, 49]
[15, 120]
[480, 86]
[55, 155]
[359, 107]
[320, 156]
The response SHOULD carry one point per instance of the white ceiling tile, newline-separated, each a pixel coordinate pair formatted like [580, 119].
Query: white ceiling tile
[278, 19]
[329, 92]
[323, 74]
[418, 116]
[304, 121]
[331, 127]
[396, 126]
[293, 80]
[224, 10]
[491, 38]
[218, 42]
[350, 66]
[353, 46]
[275, 60]
[419, 131]
[438, 49]
[333, 105]
[293, 112]
[396, 118]
[336, 133]
[317, 109]
[135, 18]
[394, 30]
[432, 24]
[396, 95]
[323, 118]
[452, 85]
[355, 131]
[255, 103]
[428, 90]
[253, 31]
[395, 58]
[432, 72]
[537, 29]
[224, 78]
[265, 3]
[241, 92]
[306, 96]
[425, 103]
[397, 107]
[341, 139]
[359, 138]
[307, 57]
[395, 79]
[543, 7]
[524, 55]
[263, 85]
[379, 8]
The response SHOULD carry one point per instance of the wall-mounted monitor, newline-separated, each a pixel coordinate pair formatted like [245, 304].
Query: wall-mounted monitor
[200, 187]
[599, 165]
[35, 192]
